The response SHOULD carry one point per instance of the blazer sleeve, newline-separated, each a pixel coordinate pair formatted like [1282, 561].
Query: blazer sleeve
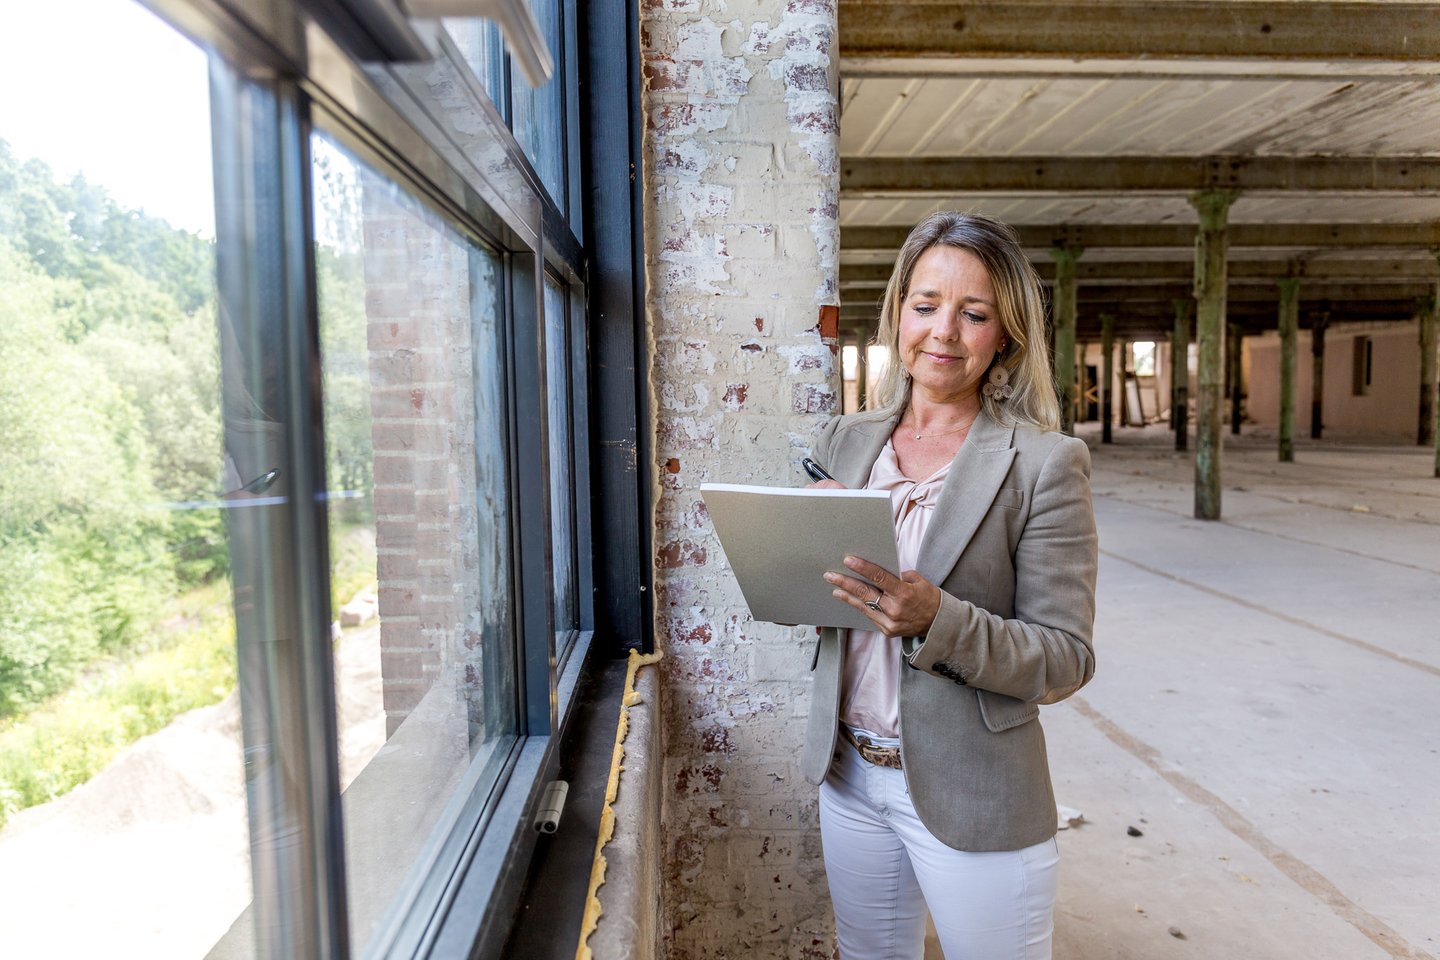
[1044, 652]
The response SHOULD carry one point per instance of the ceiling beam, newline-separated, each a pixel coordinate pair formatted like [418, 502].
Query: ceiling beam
[865, 275]
[1176, 32]
[1404, 306]
[1313, 292]
[1310, 292]
[924, 177]
[1158, 320]
[1098, 236]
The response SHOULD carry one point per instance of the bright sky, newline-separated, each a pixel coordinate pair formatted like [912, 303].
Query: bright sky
[105, 88]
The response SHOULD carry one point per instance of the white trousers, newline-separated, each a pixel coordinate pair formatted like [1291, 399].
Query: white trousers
[884, 868]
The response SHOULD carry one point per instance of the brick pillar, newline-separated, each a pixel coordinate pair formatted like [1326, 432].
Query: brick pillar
[741, 176]
[417, 305]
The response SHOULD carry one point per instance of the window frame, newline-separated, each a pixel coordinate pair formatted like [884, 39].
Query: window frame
[381, 113]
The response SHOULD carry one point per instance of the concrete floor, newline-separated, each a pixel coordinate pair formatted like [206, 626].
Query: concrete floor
[1265, 712]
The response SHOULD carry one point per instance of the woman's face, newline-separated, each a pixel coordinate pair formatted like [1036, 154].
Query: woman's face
[950, 326]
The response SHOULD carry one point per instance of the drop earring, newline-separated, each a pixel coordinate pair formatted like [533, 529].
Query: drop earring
[997, 384]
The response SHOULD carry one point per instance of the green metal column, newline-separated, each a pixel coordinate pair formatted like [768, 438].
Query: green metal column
[1064, 312]
[1210, 247]
[1317, 378]
[1428, 311]
[1289, 325]
[1180, 373]
[1233, 345]
[1107, 376]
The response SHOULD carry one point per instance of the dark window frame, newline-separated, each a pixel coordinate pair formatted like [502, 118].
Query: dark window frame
[356, 106]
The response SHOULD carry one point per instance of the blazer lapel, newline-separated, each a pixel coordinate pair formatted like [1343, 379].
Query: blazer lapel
[863, 442]
[969, 490]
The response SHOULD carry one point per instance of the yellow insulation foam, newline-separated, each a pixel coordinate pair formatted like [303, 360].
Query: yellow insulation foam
[591, 919]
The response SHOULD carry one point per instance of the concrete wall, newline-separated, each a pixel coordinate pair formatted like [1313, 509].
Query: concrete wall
[1390, 408]
[741, 243]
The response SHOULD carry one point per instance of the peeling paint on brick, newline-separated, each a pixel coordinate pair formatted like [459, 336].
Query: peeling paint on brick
[741, 184]
[680, 553]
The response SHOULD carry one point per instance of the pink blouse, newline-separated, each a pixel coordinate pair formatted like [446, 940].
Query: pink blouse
[870, 688]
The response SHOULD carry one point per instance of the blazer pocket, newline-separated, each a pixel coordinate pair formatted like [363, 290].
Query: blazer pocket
[1011, 498]
[1001, 713]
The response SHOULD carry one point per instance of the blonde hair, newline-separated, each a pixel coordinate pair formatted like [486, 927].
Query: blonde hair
[1020, 303]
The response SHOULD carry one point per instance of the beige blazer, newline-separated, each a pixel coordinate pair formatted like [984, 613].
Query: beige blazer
[1012, 546]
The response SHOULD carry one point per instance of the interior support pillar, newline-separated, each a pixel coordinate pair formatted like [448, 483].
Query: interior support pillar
[1428, 312]
[1107, 376]
[1289, 327]
[1064, 314]
[1210, 248]
[1317, 382]
[1180, 373]
[1233, 343]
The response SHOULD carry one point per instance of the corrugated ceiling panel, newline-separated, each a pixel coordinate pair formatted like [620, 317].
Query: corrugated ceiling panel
[1084, 117]
[932, 114]
[1244, 108]
[1097, 106]
[869, 106]
[1364, 120]
[1126, 209]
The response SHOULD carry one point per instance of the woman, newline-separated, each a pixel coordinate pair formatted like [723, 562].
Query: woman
[934, 787]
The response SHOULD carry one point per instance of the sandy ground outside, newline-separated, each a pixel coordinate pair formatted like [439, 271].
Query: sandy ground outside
[150, 858]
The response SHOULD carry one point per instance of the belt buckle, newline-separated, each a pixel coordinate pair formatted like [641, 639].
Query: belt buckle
[880, 756]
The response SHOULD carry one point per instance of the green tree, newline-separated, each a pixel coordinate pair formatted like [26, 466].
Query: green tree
[83, 566]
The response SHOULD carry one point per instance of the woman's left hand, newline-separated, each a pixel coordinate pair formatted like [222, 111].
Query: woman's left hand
[906, 604]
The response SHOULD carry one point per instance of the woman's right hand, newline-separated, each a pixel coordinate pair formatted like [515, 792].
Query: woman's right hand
[826, 485]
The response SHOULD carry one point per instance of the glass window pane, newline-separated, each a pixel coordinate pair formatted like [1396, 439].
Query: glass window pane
[123, 825]
[562, 473]
[480, 43]
[537, 118]
[415, 435]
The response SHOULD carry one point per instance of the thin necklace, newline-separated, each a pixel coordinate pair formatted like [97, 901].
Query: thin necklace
[943, 433]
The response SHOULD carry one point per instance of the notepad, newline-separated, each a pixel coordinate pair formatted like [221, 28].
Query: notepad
[780, 541]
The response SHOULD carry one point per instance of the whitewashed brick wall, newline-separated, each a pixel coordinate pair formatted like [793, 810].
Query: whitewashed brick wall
[741, 177]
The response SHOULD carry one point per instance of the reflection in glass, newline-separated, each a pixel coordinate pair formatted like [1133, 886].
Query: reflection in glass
[122, 801]
[538, 117]
[414, 422]
[562, 472]
[479, 42]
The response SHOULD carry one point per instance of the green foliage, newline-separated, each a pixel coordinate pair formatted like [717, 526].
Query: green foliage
[171, 376]
[77, 231]
[83, 565]
[109, 390]
[190, 663]
[112, 445]
[60, 746]
[343, 343]
[352, 562]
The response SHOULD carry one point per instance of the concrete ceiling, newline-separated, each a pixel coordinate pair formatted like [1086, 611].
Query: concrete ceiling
[1091, 123]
